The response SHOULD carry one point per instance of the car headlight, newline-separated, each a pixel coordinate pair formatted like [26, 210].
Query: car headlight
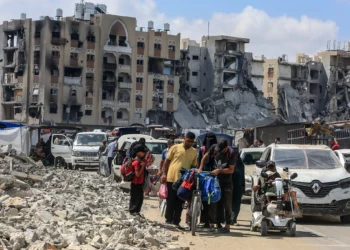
[345, 183]
[76, 153]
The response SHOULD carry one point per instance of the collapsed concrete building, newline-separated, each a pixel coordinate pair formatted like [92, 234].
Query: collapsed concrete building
[220, 84]
[296, 90]
[337, 69]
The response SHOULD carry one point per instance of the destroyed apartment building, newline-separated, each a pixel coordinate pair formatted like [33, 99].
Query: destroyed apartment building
[90, 69]
[296, 90]
[221, 84]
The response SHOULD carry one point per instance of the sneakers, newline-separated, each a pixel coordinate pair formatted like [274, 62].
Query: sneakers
[187, 226]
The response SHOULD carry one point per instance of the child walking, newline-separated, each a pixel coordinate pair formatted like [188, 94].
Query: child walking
[136, 190]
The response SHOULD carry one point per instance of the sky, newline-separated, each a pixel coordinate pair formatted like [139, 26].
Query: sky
[274, 27]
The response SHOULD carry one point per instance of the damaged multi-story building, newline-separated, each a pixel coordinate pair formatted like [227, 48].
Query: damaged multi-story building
[92, 69]
[296, 90]
[337, 68]
[220, 85]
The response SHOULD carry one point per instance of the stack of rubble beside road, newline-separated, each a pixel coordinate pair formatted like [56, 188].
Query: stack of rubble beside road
[60, 209]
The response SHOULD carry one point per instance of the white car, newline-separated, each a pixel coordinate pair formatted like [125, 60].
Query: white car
[343, 155]
[322, 185]
[156, 148]
[249, 156]
[84, 152]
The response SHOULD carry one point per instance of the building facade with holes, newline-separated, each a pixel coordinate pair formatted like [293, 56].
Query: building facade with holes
[100, 71]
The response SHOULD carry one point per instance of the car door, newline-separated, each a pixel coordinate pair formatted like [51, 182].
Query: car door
[62, 150]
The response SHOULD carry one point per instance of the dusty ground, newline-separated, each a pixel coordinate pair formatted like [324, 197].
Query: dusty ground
[312, 233]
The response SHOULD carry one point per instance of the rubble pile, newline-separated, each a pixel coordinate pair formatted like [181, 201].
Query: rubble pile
[61, 209]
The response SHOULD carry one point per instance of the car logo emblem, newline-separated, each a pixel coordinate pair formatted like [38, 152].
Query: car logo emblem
[316, 188]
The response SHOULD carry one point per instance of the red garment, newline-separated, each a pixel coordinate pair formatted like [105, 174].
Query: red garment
[335, 146]
[136, 165]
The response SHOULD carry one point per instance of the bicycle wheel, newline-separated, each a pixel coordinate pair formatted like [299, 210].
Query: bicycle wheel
[195, 214]
[162, 207]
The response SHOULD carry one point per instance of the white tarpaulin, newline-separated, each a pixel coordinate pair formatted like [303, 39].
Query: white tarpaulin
[19, 138]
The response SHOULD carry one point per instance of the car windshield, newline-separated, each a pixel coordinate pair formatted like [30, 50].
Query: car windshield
[89, 139]
[156, 147]
[251, 157]
[306, 158]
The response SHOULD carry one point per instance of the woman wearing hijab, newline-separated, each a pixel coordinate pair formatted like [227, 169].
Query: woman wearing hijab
[209, 140]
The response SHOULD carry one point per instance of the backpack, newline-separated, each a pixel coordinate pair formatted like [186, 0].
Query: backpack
[211, 190]
[228, 154]
[188, 185]
[127, 171]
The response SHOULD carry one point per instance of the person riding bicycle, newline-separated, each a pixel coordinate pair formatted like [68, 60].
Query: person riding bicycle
[225, 159]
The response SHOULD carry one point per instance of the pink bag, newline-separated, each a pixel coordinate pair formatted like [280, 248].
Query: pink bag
[163, 191]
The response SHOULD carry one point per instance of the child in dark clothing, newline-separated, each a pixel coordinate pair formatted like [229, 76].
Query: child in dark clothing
[136, 190]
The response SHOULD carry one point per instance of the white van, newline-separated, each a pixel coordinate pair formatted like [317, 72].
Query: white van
[83, 152]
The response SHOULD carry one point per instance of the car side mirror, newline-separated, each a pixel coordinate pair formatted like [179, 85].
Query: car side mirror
[293, 176]
[347, 166]
[260, 163]
[264, 175]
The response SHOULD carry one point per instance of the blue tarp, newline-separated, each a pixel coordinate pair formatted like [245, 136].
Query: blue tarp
[6, 125]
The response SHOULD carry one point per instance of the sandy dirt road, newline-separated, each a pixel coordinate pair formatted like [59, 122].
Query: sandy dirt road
[312, 233]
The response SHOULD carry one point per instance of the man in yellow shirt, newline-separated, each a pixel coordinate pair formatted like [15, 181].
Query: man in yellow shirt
[180, 156]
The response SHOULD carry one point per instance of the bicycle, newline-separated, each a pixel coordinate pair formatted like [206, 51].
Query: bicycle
[196, 204]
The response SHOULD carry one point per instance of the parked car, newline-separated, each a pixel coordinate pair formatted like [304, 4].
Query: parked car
[249, 156]
[156, 147]
[121, 153]
[120, 131]
[322, 185]
[343, 155]
[83, 152]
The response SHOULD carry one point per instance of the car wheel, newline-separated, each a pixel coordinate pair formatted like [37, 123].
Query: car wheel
[345, 219]
[59, 162]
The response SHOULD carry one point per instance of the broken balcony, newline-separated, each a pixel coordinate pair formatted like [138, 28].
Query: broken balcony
[11, 95]
[122, 117]
[157, 102]
[108, 79]
[109, 61]
[72, 76]
[12, 41]
[227, 47]
[123, 99]
[162, 67]
[158, 86]
[9, 79]
[107, 115]
[124, 81]
[124, 62]
[72, 114]
[108, 94]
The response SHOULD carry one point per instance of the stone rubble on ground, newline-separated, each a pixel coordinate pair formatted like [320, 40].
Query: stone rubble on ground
[60, 209]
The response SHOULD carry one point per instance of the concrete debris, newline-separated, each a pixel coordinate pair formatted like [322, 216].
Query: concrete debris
[62, 209]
